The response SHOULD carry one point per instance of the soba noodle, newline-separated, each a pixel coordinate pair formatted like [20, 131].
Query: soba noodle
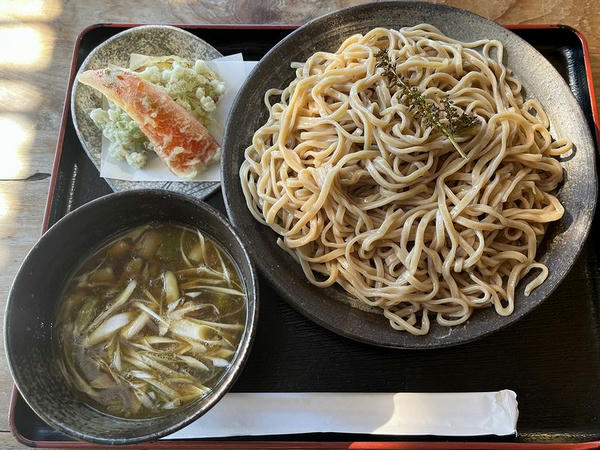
[366, 196]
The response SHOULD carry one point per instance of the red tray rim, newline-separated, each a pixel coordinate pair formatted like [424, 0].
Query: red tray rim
[238, 444]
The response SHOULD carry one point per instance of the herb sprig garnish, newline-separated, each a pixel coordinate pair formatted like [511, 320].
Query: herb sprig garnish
[427, 111]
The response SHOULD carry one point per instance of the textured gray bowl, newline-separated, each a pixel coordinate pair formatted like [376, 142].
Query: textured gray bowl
[37, 289]
[330, 307]
[152, 40]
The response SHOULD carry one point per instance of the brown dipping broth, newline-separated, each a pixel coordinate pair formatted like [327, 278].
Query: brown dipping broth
[156, 349]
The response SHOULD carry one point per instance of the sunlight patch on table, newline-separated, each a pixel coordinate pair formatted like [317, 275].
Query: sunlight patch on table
[16, 132]
[44, 10]
[3, 206]
[26, 47]
[19, 96]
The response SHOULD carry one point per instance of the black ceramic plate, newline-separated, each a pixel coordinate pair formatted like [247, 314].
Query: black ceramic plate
[328, 307]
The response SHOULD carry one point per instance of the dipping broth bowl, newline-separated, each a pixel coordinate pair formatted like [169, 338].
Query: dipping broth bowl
[38, 288]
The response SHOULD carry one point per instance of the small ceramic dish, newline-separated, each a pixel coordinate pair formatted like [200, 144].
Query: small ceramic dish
[36, 292]
[154, 40]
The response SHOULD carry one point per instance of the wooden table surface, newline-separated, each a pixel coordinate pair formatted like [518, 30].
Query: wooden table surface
[36, 43]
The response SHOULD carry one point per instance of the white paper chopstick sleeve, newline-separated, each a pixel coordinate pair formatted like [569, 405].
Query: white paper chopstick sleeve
[442, 414]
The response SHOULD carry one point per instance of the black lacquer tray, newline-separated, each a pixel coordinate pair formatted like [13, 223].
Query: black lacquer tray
[551, 358]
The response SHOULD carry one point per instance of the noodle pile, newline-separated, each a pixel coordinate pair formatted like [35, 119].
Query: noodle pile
[366, 196]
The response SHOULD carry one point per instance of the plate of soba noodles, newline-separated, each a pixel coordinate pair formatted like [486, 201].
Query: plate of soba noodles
[408, 174]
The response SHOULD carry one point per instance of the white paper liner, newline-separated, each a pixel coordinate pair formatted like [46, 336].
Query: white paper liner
[233, 70]
[441, 414]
